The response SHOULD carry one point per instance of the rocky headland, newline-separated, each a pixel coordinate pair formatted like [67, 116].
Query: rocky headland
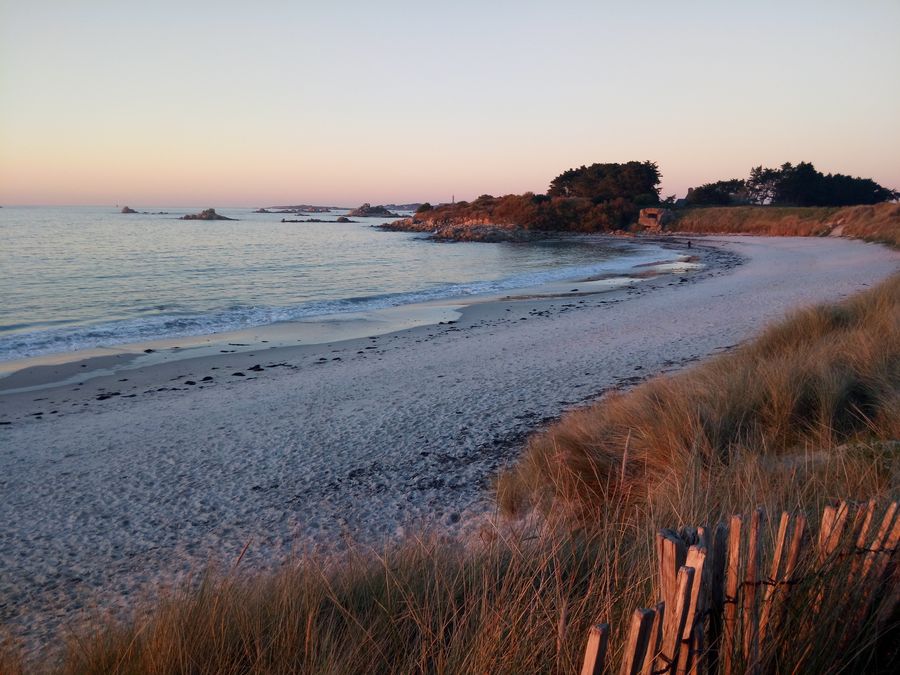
[464, 230]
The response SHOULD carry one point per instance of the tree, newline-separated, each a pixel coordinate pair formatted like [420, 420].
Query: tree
[762, 186]
[720, 193]
[803, 185]
[632, 181]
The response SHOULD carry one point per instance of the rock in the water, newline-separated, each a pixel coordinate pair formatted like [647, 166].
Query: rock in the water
[128, 209]
[208, 214]
[369, 211]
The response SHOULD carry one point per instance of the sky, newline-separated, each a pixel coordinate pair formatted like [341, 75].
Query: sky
[269, 102]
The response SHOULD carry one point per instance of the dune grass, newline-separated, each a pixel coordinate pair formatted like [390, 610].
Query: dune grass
[518, 602]
[824, 376]
[807, 413]
[878, 223]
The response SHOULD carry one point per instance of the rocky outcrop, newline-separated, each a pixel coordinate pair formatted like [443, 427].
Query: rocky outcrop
[208, 214]
[369, 211]
[464, 230]
[342, 219]
[403, 207]
[307, 208]
[128, 209]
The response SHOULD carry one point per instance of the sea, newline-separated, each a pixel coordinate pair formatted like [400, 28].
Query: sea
[78, 277]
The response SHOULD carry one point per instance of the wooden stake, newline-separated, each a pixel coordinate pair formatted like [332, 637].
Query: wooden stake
[875, 562]
[638, 638]
[673, 554]
[883, 556]
[790, 567]
[674, 626]
[861, 526]
[878, 542]
[719, 558]
[773, 576]
[751, 577]
[833, 519]
[732, 585]
[794, 550]
[655, 644]
[698, 656]
[696, 560]
[595, 654]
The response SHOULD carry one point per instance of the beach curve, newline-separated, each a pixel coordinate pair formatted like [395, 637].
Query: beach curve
[363, 438]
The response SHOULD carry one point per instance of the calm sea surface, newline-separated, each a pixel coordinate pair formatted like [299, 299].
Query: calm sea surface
[79, 277]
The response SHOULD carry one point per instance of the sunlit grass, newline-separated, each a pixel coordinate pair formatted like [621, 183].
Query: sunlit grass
[878, 223]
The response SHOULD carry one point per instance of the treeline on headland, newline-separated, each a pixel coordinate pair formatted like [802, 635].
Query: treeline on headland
[588, 199]
[608, 197]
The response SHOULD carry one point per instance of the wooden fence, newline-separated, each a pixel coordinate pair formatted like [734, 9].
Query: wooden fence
[726, 593]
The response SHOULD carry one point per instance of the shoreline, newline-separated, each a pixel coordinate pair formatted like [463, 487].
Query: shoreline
[64, 368]
[365, 439]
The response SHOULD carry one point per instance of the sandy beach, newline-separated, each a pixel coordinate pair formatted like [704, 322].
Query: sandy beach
[126, 469]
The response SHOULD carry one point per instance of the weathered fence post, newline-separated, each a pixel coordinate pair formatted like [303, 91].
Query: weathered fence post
[732, 585]
[673, 629]
[716, 578]
[639, 635]
[595, 654]
[696, 560]
[656, 638]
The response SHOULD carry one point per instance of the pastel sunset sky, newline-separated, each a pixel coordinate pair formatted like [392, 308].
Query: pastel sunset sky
[258, 103]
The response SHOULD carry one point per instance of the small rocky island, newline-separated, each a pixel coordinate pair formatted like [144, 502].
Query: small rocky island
[128, 209]
[342, 219]
[369, 211]
[207, 214]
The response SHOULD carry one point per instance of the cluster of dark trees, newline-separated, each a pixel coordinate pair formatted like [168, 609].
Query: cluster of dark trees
[586, 199]
[800, 185]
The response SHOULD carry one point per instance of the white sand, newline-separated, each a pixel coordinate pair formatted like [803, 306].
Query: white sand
[405, 430]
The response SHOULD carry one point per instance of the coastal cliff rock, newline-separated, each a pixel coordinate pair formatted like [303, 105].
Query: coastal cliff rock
[369, 211]
[207, 214]
[464, 230]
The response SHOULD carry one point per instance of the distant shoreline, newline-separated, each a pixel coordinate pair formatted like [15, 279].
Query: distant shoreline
[879, 223]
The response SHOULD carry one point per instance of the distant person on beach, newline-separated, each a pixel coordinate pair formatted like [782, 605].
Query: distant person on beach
[689, 243]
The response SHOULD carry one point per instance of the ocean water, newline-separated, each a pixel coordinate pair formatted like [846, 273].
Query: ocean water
[82, 277]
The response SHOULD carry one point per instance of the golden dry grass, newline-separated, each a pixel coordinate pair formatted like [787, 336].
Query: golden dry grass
[805, 414]
[878, 223]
